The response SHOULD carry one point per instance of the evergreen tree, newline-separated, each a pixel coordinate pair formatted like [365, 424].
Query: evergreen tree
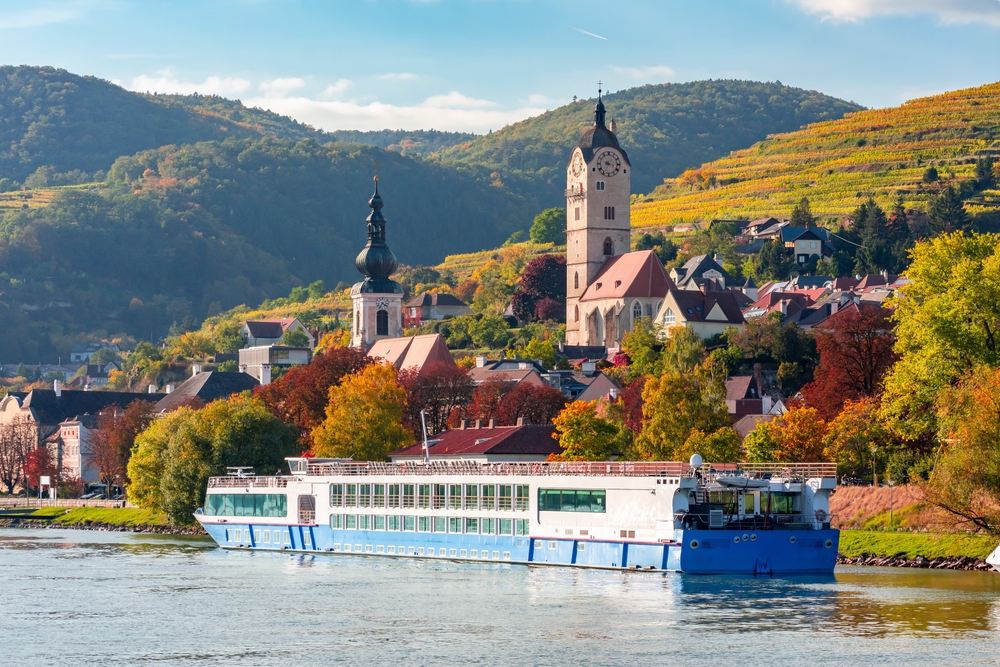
[985, 177]
[875, 253]
[801, 215]
[773, 263]
[947, 212]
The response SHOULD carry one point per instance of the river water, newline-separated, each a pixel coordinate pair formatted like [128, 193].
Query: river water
[87, 598]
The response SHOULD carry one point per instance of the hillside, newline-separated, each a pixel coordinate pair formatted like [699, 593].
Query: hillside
[665, 128]
[883, 153]
[185, 232]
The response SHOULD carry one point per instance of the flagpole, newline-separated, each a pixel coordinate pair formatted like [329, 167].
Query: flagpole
[427, 451]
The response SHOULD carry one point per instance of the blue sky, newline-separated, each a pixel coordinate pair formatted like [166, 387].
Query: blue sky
[475, 65]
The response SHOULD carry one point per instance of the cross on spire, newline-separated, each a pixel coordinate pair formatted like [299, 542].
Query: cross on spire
[599, 84]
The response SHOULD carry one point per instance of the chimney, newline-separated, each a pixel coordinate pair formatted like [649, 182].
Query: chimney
[718, 259]
[152, 389]
[463, 424]
[265, 374]
[493, 423]
[57, 387]
[589, 367]
[480, 360]
[479, 423]
[523, 421]
[613, 394]
[704, 287]
[195, 370]
[169, 388]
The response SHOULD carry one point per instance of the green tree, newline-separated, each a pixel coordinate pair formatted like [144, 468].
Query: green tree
[722, 446]
[489, 331]
[644, 349]
[295, 338]
[364, 418]
[584, 435]
[931, 175]
[801, 215]
[947, 212]
[173, 458]
[772, 262]
[549, 226]
[683, 350]
[947, 322]
[985, 178]
[105, 355]
[675, 405]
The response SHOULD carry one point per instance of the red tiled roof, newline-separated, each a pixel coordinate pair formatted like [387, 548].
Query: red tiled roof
[633, 274]
[412, 351]
[533, 439]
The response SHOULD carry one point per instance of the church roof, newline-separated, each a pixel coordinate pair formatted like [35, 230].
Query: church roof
[599, 136]
[634, 274]
[412, 351]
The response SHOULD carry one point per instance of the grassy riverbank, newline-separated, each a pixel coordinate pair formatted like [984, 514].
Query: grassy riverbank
[108, 516]
[911, 545]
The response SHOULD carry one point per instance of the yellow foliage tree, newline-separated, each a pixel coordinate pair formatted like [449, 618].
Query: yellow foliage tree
[796, 436]
[364, 418]
[584, 435]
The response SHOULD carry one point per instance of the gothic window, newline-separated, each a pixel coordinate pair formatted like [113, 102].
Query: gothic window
[382, 323]
[600, 185]
[609, 212]
[576, 313]
[576, 281]
[649, 310]
[609, 246]
[669, 317]
[636, 312]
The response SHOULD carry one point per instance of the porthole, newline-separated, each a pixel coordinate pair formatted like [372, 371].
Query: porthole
[694, 544]
[829, 543]
[753, 538]
[736, 539]
[745, 537]
[792, 539]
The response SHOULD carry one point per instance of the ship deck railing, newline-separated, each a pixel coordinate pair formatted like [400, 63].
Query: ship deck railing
[774, 471]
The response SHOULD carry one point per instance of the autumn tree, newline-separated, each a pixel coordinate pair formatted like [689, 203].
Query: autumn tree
[486, 399]
[965, 481]
[112, 441]
[584, 435]
[722, 446]
[364, 417]
[438, 389]
[854, 435]
[796, 436]
[543, 278]
[17, 439]
[855, 351]
[537, 404]
[37, 464]
[300, 396]
[174, 457]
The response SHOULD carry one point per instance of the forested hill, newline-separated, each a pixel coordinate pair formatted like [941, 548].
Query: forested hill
[186, 231]
[665, 128]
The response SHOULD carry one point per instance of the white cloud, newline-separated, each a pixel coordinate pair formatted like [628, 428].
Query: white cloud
[947, 11]
[213, 85]
[337, 88]
[658, 72]
[453, 111]
[538, 99]
[30, 18]
[590, 34]
[281, 87]
[399, 76]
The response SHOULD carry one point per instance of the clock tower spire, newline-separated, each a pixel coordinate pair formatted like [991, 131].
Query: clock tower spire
[377, 299]
[598, 192]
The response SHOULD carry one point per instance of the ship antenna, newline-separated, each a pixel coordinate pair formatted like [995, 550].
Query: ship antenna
[427, 451]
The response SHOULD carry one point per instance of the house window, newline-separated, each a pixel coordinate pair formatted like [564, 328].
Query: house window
[609, 212]
[636, 312]
[600, 185]
[609, 246]
[576, 213]
[669, 317]
[812, 245]
[576, 281]
[382, 323]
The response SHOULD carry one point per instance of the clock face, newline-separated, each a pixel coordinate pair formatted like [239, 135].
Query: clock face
[608, 163]
[382, 303]
[576, 166]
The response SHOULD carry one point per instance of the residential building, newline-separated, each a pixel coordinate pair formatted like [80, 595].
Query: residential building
[428, 306]
[807, 243]
[82, 352]
[511, 370]
[586, 384]
[261, 361]
[412, 352]
[702, 270]
[705, 312]
[486, 444]
[203, 388]
[72, 441]
[257, 333]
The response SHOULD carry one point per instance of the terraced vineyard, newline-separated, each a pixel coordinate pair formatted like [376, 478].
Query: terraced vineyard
[463, 266]
[881, 153]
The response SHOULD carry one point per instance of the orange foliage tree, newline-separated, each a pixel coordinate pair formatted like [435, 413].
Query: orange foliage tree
[796, 436]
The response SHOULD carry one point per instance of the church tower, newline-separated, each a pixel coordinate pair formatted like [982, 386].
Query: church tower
[378, 301]
[598, 191]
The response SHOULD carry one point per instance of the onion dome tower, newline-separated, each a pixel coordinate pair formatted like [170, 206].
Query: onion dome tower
[378, 310]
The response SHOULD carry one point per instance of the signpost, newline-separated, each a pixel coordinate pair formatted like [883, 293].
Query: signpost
[43, 480]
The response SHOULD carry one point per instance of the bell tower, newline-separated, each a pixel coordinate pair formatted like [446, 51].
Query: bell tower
[378, 300]
[598, 193]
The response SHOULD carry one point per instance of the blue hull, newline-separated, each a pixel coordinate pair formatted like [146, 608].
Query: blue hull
[779, 552]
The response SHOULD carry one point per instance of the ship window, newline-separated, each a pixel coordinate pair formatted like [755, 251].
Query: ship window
[380, 549]
[288, 538]
[454, 525]
[504, 501]
[246, 504]
[424, 524]
[472, 526]
[565, 500]
[394, 495]
[452, 552]
[581, 546]
[392, 549]
[365, 495]
[522, 497]
[474, 553]
[439, 497]
[782, 502]
[424, 496]
[379, 523]
[351, 498]
[748, 506]
[505, 527]
[363, 522]
[351, 522]
[381, 323]
[408, 523]
[489, 494]
[439, 524]
[393, 522]
[408, 495]
[336, 495]
[487, 526]
[471, 496]
[455, 496]
[522, 525]
[379, 495]
[336, 521]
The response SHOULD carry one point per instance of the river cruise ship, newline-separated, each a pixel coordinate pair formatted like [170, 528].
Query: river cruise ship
[688, 517]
